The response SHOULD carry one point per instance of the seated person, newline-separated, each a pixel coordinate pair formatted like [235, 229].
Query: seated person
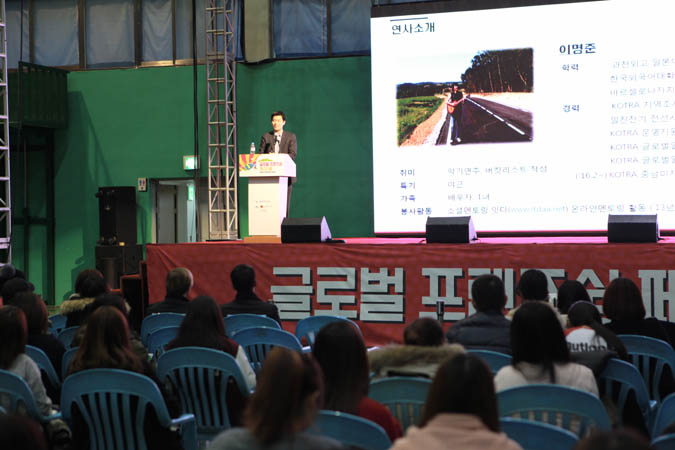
[246, 301]
[179, 281]
[540, 353]
[486, 329]
[88, 285]
[423, 351]
[533, 287]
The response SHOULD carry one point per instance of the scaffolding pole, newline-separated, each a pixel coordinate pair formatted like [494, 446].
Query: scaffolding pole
[5, 193]
[222, 119]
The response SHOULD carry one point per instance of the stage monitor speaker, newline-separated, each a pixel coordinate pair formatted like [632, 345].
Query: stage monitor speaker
[113, 261]
[117, 215]
[258, 30]
[304, 229]
[632, 228]
[450, 230]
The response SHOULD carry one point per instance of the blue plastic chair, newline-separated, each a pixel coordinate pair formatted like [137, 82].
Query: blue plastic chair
[21, 397]
[537, 435]
[665, 442]
[562, 406]
[628, 379]
[66, 336]
[156, 321]
[650, 356]
[404, 396]
[114, 404]
[65, 361]
[2, 411]
[665, 415]
[159, 338]
[351, 430]
[494, 360]
[309, 327]
[200, 377]
[44, 363]
[257, 342]
[238, 322]
[57, 323]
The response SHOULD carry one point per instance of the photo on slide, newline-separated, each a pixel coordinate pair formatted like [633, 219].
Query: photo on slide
[490, 102]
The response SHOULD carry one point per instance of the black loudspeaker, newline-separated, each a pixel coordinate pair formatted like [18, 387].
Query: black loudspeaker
[131, 288]
[632, 228]
[304, 229]
[450, 230]
[113, 261]
[117, 215]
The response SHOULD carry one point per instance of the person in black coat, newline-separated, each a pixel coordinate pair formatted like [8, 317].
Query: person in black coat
[246, 301]
[179, 281]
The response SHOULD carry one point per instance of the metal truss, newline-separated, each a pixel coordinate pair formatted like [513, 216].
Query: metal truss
[5, 197]
[222, 120]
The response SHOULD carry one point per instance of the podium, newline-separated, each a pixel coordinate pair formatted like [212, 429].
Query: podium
[267, 188]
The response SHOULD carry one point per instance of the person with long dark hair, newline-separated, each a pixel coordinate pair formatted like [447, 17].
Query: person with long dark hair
[13, 336]
[203, 327]
[288, 396]
[540, 353]
[88, 285]
[461, 407]
[570, 291]
[624, 307]
[341, 353]
[588, 334]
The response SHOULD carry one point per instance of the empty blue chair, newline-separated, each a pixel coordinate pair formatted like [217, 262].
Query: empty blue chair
[494, 360]
[238, 322]
[65, 361]
[404, 396]
[257, 342]
[650, 356]
[156, 321]
[57, 323]
[44, 363]
[66, 336]
[665, 442]
[159, 338]
[665, 415]
[308, 327]
[562, 406]
[114, 404]
[351, 430]
[537, 435]
[20, 397]
[200, 377]
[618, 379]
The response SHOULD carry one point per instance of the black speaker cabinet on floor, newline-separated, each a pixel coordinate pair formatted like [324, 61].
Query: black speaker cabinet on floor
[304, 229]
[117, 215]
[632, 228]
[450, 230]
[116, 260]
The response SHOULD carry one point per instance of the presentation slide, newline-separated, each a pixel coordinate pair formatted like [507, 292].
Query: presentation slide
[534, 118]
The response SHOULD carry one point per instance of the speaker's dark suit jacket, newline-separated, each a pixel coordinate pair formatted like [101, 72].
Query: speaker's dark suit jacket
[288, 144]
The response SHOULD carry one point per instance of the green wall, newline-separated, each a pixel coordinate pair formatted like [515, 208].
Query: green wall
[131, 123]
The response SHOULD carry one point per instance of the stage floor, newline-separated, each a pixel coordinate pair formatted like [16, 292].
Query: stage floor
[385, 283]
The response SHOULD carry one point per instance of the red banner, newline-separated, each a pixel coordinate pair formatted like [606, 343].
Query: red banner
[386, 286]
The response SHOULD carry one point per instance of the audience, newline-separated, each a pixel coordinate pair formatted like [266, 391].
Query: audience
[341, 353]
[533, 286]
[19, 432]
[570, 291]
[88, 285]
[37, 321]
[11, 288]
[179, 281]
[586, 332]
[13, 336]
[623, 306]
[620, 439]
[423, 351]
[106, 345]
[284, 405]
[203, 327]
[540, 353]
[486, 329]
[460, 410]
[246, 301]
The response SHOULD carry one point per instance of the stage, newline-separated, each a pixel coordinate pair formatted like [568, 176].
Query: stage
[383, 284]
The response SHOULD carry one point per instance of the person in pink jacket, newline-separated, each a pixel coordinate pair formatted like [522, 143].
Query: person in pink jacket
[460, 410]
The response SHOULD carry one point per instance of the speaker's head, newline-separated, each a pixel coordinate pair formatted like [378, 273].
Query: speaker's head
[304, 229]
